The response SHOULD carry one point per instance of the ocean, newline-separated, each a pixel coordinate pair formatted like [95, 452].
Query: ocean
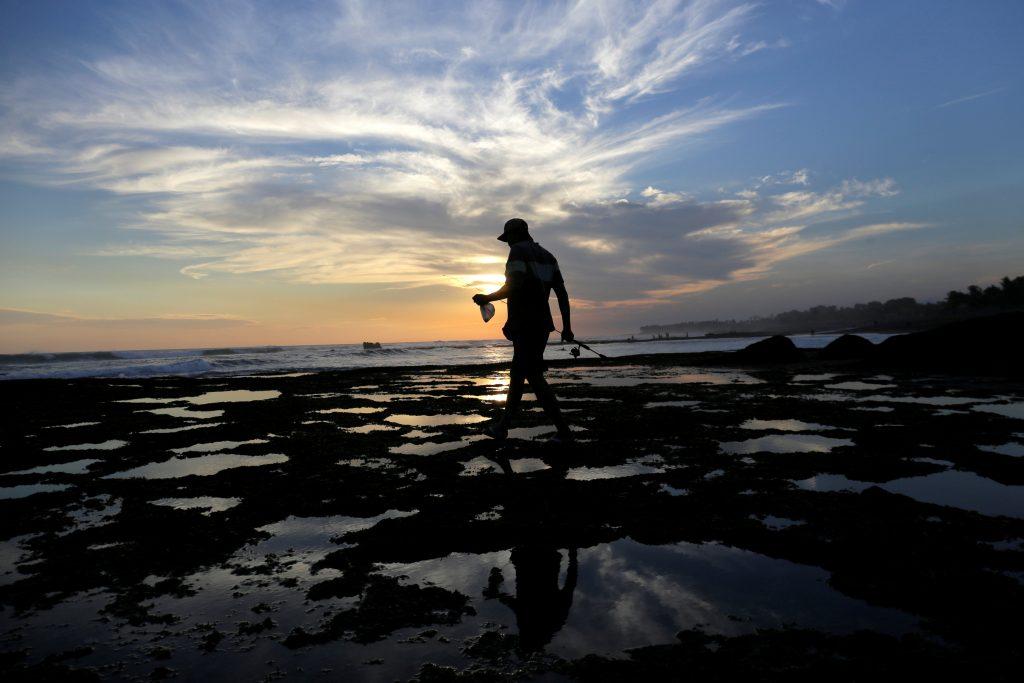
[289, 359]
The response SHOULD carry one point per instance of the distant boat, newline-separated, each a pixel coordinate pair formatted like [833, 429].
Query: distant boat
[371, 346]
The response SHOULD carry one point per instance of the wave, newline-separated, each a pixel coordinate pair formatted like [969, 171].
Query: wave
[386, 351]
[39, 358]
[194, 366]
[239, 351]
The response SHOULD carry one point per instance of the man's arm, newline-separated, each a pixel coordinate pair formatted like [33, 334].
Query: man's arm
[563, 308]
[511, 282]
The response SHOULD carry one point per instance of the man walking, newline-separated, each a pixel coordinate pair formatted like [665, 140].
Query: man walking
[531, 272]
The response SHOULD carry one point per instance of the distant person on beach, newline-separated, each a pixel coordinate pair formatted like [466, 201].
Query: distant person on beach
[531, 272]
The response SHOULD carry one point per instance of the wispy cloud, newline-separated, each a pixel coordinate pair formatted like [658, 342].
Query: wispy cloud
[17, 316]
[355, 144]
[968, 98]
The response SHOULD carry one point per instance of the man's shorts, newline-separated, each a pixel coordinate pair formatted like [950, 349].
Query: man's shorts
[528, 352]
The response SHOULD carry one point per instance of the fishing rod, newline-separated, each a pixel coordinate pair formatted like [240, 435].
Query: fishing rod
[576, 351]
[487, 312]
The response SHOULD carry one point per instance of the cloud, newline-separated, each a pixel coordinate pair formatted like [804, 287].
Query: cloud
[354, 144]
[799, 177]
[968, 98]
[15, 316]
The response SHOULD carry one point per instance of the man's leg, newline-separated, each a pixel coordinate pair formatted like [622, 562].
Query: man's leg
[515, 395]
[547, 399]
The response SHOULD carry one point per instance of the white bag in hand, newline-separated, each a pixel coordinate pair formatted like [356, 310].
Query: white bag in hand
[487, 311]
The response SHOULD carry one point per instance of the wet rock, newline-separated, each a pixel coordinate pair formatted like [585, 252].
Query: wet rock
[67, 655]
[952, 569]
[786, 655]
[991, 343]
[777, 349]
[211, 640]
[247, 629]
[47, 671]
[386, 606]
[160, 653]
[847, 347]
[491, 645]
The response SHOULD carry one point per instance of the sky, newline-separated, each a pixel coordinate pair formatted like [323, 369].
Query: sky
[192, 174]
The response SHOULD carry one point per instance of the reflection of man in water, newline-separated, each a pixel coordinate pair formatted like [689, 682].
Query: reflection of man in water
[531, 273]
[540, 606]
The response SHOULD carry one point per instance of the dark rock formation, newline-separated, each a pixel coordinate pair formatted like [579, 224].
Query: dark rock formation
[777, 349]
[992, 343]
[846, 347]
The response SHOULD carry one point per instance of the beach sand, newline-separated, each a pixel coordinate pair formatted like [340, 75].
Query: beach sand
[723, 521]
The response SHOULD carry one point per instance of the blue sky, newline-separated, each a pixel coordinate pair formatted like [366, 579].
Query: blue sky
[178, 174]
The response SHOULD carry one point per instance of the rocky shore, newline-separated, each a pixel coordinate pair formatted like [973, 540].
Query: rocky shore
[725, 514]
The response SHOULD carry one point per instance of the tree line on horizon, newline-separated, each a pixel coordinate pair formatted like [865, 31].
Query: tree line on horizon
[901, 313]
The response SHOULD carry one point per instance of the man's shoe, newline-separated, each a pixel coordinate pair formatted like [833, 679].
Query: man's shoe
[496, 431]
[561, 439]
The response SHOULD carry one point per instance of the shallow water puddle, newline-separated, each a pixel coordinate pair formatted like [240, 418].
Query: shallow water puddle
[528, 433]
[828, 483]
[435, 420]
[623, 377]
[479, 465]
[76, 467]
[368, 463]
[925, 400]
[434, 447]
[1012, 448]
[233, 396]
[419, 434]
[214, 446]
[1015, 410]
[361, 410]
[202, 466]
[12, 553]
[186, 413]
[673, 491]
[964, 490]
[527, 465]
[26, 490]
[487, 398]
[388, 398]
[186, 428]
[784, 425]
[72, 425]
[788, 443]
[210, 504]
[823, 377]
[230, 396]
[104, 446]
[315, 533]
[883, 398]
[625, 594]
[631, 469]
[367, 429]
[858, 386]
[952, 488]
[671, 404]
[778, 523]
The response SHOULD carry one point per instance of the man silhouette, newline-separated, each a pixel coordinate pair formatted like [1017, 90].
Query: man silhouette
[531, 272]
[540, 605]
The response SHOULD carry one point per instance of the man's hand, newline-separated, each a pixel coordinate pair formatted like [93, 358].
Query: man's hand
[480, 299]
[568, 336]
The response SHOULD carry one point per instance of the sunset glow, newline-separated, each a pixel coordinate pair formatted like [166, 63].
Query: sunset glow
[258, 173]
